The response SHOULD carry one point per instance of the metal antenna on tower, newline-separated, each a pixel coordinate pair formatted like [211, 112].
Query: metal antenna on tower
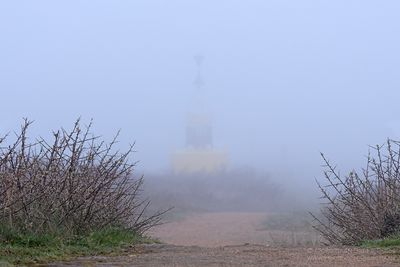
[199, 82]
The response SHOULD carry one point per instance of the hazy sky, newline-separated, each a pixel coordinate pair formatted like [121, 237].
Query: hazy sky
[284, 79]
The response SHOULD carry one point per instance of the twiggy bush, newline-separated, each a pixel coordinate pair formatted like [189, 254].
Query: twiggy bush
[365, 205]
[73, 184]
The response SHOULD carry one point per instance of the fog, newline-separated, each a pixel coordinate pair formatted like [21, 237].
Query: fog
[283, 80]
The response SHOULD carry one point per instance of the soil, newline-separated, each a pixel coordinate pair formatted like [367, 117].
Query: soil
[236, 239]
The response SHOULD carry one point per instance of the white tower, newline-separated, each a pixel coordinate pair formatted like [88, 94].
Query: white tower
[199, 154]
[198, 128]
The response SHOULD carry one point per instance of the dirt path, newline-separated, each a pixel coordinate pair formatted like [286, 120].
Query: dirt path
[214, 230]
[233, 239]
[245, 255]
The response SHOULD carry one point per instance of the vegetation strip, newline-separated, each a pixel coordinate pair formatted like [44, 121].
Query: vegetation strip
[70, 196]
[17, 248]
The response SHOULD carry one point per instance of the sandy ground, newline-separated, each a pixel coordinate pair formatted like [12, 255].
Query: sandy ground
[214, 230]
[230, 228]
[234, 239]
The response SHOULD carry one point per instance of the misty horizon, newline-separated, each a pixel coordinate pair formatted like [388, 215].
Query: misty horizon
[284, 80]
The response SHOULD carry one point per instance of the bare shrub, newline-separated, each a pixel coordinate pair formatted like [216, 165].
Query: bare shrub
[362, 205]
[74, 183]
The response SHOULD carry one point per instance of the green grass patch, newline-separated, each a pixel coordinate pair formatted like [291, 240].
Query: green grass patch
[29, 248]
[389, 242]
